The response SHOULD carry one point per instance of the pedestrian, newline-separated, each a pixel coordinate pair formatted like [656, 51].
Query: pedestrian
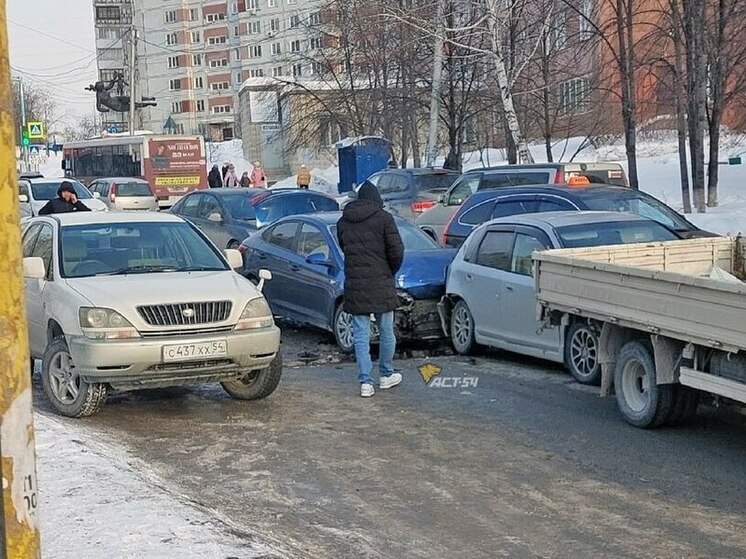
[258, 178]
[224, 170]
[214, 179]
[245, 180]
[66, 201]
[231, 180]
[373, 253]
[304, 178]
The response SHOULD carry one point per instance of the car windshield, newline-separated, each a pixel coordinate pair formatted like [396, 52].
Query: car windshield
[614, 233]
[640, 204]
[126, 189]
[240, 206]
[271, 208]
[412, 236]
[134, 248]
[48, 190]
[437, 183]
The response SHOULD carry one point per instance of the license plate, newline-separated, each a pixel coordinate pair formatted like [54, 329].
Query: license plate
[190, 352]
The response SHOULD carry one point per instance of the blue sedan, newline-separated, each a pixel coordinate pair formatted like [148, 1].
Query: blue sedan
[307, 268]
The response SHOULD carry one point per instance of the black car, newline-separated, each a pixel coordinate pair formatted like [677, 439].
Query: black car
[409, 192]
[490, 204]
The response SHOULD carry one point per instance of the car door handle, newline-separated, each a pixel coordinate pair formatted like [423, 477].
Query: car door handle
[469, 277]
[508, 288]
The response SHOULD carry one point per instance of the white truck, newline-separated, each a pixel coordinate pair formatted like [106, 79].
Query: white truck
[671, 316]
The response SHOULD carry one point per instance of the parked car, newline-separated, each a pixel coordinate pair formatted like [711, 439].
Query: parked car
[409, 192]
[227, 215]
[434, 220]
[30, 175]
[491, 204]
[33, 195]
[125, 194]
[128, 301]
[490, 298]
[307, 266]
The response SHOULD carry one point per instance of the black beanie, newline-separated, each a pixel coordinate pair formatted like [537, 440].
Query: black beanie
[66, 186]
[369, 192]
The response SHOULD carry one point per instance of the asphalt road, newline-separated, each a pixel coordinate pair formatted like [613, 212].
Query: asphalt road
[526, 464]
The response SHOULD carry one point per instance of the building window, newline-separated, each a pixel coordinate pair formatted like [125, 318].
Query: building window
[109, 75]
[274, 25]
[292, 2]
[220, 109]
[255, 27]
[194, 14]
[277, 71]
[558, 33]
[201, 106]
[256, 73]
[315, 43]
[199, 83]
[234, 8]
[574, 96]
[172, 39]
[236, 31]
[217, 40]
[317, 68]
[196, 37]
[220, 86]
[314, 18]
[111, 54]
[272, 4]
[297, 70]
[109, 33]
[295, 46]
[239, 80]
[196, 60]
[237, 54]
[252, 5]
[176, 107]
[170, 16]
[111, 14]
[218, 63]
[174, 85]
[276, 49]
[255, 51]
[585, 26]
[212, 18]
[173, 62]
[294, 21]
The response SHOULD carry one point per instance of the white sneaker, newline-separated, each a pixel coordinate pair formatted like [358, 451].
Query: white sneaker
[390, 381]
[367, 390]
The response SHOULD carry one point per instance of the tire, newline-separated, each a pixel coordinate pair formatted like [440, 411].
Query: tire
[69, 394]
[233, 245]
[685, 405]
[462, 329]
[257, 385]
[343, 333]
[581, 354]
[642, 402]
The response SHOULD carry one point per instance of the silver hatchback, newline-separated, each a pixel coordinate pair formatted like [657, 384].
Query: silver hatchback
[125, 194]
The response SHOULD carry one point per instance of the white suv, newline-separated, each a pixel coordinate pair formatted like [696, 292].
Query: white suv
[140, 301]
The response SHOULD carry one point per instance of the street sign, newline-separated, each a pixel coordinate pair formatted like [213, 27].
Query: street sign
[170, 124]
[35, 130]
[33, 150]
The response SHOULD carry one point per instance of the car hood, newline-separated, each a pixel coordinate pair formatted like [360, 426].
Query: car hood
[423, 272]
[129, 291]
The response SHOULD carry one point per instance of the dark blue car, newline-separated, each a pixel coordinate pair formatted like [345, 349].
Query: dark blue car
[491, 204]
[307, 268]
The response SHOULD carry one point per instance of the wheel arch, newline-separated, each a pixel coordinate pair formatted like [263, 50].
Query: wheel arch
[54, 330]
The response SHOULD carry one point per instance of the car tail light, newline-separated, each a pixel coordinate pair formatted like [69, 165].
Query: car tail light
[448, 229]
[559, 178]
[419, 207]
[243, 249]
[113, 193]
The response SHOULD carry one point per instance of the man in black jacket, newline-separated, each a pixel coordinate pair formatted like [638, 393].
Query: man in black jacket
[66, 202]
[214, 180]
[373, 253]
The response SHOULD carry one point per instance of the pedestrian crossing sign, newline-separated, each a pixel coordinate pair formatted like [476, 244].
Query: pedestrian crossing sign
[35, 130]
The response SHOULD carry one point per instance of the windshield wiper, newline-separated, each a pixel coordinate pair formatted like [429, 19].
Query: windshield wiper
[139, 270]
[200, 269]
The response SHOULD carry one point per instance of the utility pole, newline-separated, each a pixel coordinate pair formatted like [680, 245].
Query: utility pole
[22, 96]
[133, 81]
[19, 534]
[432, 138]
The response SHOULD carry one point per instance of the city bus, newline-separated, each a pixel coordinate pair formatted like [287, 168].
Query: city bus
[172, 165]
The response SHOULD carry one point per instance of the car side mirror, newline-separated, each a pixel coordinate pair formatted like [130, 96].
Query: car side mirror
[442, 199]
[264, 276]
[97, 195]
[234, 258]
[215, 217]
[33, 268]
[23, 199]
[317, 259]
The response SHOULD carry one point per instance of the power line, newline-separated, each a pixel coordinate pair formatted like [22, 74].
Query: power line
[61, 40]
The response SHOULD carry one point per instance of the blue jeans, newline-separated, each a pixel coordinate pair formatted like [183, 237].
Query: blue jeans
[387, 339]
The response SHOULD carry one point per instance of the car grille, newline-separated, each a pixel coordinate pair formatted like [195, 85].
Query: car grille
[189, 332]
[186, 314]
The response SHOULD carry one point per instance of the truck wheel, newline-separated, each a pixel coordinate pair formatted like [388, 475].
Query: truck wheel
[685, 406]
[69, 394]
[462, 329]
[343, 332]
[643, 403]
[257, 384]
[581, 354]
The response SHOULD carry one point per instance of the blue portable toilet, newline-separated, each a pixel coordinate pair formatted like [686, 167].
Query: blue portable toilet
[359, 158]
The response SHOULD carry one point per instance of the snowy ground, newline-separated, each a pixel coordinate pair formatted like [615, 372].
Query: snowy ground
[97, 501]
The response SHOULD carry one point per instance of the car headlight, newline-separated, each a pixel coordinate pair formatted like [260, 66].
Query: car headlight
[255, 315]
[105, 324]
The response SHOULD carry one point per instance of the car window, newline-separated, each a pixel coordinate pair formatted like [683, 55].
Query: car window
[272, 208]
[44, 191]
[43, 249]
[505, 208]
[133, 189]
[190, 205]
[210, 205]
[240, 207]
[399, 183]
[435, 183]
[373, 179]
[385, 183]
[614, 233]
[502, 180]
[412, 237]
[494, 250]
[524, 247]
[477, 214]
[554, 205]
[461, 191]
[639, 204]
[282, 235]
[29, 238]
[311, 240]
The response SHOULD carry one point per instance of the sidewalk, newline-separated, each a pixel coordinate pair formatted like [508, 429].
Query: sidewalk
[96, 502]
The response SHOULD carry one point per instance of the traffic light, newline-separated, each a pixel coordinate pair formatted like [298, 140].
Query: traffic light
[25, 141]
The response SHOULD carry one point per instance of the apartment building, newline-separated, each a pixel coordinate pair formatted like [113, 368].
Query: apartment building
[193, 55]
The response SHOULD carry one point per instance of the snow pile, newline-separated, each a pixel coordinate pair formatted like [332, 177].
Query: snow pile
[218, 153]
[51, 167]
[97, 502]
[323, 180]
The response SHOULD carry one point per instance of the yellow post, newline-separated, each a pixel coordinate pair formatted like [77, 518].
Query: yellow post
[19, 534]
